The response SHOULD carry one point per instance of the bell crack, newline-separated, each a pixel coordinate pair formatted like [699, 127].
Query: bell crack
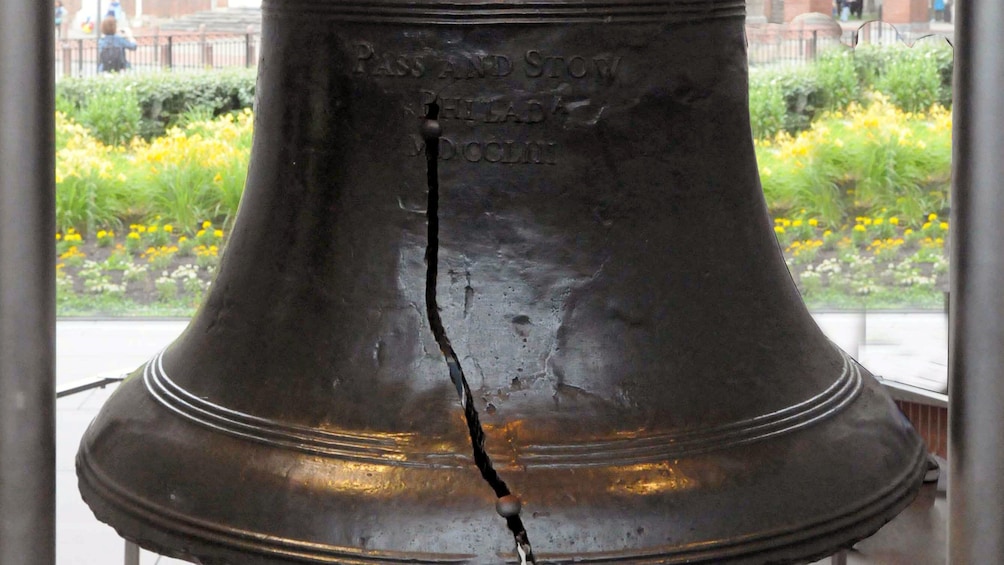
[508, 505]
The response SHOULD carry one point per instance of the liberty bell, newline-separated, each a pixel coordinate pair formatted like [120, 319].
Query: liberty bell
[503, 288]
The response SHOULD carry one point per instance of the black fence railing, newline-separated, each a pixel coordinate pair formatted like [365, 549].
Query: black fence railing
[768, 45]
[79, 57]
[772, 45]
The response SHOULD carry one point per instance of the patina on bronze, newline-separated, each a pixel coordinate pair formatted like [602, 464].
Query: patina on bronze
[648, 381]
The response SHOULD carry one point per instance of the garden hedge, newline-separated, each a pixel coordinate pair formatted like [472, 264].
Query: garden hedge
[789, 98]
[163, 98]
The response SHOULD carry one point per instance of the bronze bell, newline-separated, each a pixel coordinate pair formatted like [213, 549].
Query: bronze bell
[569, 190]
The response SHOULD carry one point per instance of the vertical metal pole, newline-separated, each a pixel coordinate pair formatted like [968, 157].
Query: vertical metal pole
[131, 553]
[976, 364]
[202, 46]
[839, 558]
[248, 47]
[27, 287]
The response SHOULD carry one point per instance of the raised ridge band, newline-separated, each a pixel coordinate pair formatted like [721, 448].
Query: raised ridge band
[393, 449]
[863, 519]
[481, 12]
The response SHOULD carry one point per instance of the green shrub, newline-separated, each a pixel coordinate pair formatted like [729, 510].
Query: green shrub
[942, 56]
[165, 97]
[799, 91]
[88, 200]
[911, 81]
[767, 109]
[112, 116]
[870, 62]
[889, 67]
[802, 96]
[837, 79]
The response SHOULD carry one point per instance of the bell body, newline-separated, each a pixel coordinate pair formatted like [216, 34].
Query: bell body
[649, 381]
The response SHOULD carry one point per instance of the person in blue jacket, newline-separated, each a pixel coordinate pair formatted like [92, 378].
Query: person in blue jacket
[112, 47]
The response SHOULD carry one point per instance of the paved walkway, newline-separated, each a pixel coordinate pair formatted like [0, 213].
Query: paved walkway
[907, 347]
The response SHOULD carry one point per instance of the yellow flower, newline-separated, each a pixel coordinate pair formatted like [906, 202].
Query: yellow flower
[879, 221]
[927, 225]
[72, 252]
[218, 233]
[943, 225]
[206, 224]
[797, 223]
[59, 237]
[778, 229]
[182, 239]
[932, 216]
[813, 222]
[218, 178]
[894, 221]
[153, 229]
[200, 233]
[859, 228]
[168, 228]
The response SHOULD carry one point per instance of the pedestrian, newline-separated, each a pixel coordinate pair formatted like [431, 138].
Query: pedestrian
[60, 15]
[115, 9]
[845, 10]
[939, 10]
[856, 8]
[112, 47]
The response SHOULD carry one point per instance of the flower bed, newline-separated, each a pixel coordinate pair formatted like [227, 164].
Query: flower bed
[860, 200]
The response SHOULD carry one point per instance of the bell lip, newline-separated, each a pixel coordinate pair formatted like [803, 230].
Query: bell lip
[164, 531]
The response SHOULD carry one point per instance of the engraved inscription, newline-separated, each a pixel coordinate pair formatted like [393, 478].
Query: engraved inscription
[495, 109]
[532, 63]
[557, 66]
[476, 66]
[522, 108]
[368, 61]
[501, 151]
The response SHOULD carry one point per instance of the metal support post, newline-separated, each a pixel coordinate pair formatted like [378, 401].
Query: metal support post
[131, 553]
[203, 62]
[249, 57]
[27, 287]
[976, 363]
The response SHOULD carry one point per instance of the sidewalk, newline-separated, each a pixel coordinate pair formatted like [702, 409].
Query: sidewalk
[911, 347]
